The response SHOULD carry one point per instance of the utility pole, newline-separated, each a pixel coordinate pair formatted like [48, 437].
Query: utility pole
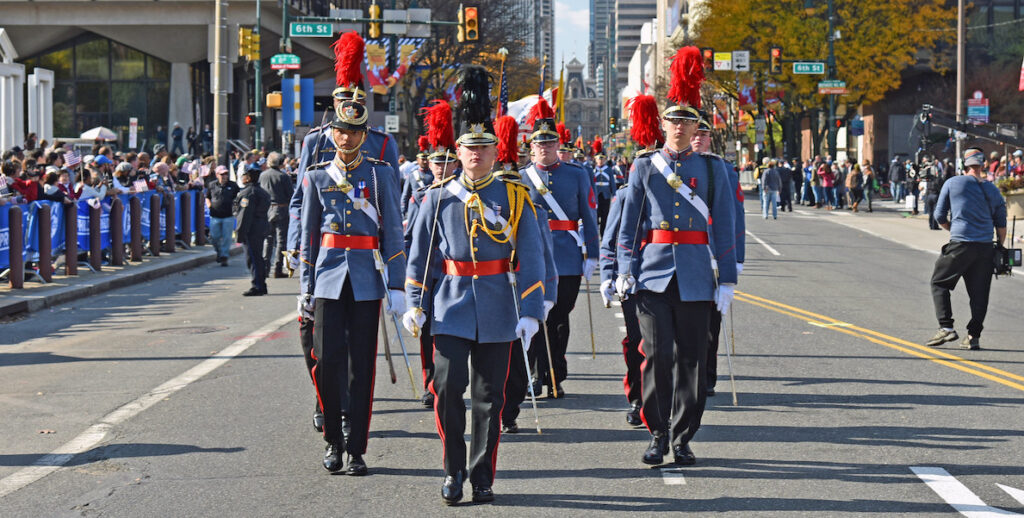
[258, 86]
[220, 91]
[959, 75]
[832, 75]
[286, 48]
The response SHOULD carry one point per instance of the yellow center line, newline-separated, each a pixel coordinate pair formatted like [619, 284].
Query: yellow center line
[940, 357]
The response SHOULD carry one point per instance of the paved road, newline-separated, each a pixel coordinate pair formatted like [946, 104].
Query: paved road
[837, 404]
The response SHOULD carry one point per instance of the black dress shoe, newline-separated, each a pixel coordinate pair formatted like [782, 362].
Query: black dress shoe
[683, 455]
[318, 419]
[253, 292]
[482, 493]
[556, 391]
[451, 489]
[711, 391]
[657, 450]
[427, 399]
[346, 427]
[280, 275]
[356, 466]
[510, 427]
[332, 458]
[633, 416]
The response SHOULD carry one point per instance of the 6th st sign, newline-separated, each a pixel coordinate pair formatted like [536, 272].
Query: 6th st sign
[285, 62]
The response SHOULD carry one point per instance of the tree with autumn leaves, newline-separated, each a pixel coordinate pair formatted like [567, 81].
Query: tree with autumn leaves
[879, 40]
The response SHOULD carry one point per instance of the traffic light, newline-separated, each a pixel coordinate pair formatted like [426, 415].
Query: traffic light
[471, 23]
[775, 66]
[374, 26]
[254, 48]
[244, 42]
[250, 118]
[611, 124]
[839, 123]
[709, 57]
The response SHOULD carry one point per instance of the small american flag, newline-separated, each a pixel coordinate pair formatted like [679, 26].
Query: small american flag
[503, 94]
[72, 158]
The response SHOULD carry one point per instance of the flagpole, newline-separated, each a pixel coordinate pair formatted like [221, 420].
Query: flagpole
[501, 78]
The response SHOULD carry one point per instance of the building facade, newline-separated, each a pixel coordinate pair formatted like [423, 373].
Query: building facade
[535, 21]
[585, 113]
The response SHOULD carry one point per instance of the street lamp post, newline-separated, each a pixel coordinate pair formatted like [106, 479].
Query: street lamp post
[831, 65]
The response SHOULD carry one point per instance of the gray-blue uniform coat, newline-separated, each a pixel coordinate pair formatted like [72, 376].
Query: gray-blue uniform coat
[476, 309]
[650, 201]
[417, 179]
[604, 182]
[326, 209]
[570, 185]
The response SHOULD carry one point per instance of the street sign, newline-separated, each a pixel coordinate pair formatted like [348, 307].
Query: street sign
[832, 87]
[391, 123]
[285, 62]
[741, 60]
[977, 111]
[133, 132]
[316, 30]
[723, 60]
[808, 67]
[347, 14]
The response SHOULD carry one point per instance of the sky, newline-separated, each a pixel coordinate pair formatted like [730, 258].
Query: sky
[572, 31]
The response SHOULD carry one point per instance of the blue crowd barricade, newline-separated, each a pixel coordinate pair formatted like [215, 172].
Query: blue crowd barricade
[31, 212]
[5, 237]
[83, 224]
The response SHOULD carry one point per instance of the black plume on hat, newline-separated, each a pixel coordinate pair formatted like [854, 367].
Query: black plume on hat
[473, 110]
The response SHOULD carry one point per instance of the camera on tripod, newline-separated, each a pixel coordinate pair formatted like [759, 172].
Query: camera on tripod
[1006, 258]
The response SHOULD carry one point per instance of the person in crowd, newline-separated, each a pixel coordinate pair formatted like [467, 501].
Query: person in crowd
[250, 210]
[771, 184]
[192, 140]
[280, 188]
[220, 198]
[870, 182]
[855, 186]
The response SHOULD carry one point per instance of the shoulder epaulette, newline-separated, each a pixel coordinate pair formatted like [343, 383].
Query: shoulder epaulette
[442, 182]
[377, 131]
[712, 155]
[321, 165]
[514, 181]
[645, 152]
[375, 161]
[623, 186]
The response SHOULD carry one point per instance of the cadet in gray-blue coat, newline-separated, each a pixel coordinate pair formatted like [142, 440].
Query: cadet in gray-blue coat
[564, 191]
[484, 228]
[604, 188]
[701, 143]
[351, 241]
[683, 265]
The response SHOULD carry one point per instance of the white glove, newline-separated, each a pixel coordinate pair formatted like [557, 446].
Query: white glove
[623, 285]
[723, 298]
[739, 268]
[413, 320]
[525, 329]
[607, 292]
[293, 260]
[305, 306]
[548, 304]
[396, 302]
[588, 267]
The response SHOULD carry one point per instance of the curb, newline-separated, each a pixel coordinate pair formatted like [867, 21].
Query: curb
[32, 303]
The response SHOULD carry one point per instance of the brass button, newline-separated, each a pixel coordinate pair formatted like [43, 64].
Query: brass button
[476, 276]
[348, 200]
[677, 204]
[347, 249]
[475, 249]
[676, 216]
[675, 229]
[674, 244]
[348, 235]
[349, 224]
[677, 164]
[350, 212]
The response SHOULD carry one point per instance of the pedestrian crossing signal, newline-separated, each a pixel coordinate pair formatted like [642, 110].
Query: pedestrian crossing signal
[776, 61]
[709, 57]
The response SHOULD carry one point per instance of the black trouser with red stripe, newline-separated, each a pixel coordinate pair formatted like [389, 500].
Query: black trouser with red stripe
[490, 362]
[675, 350]
[306, 342]
[345, 349]
[631, 352]
[517, 384]
[713, 334]
[558, 332]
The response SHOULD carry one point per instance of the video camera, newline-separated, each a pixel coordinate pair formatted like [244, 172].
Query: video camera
[1006, 258]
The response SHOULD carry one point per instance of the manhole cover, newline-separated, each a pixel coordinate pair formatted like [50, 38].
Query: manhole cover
[190, 330]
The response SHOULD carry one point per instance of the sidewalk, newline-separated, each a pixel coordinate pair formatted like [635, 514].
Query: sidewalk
[36, 295]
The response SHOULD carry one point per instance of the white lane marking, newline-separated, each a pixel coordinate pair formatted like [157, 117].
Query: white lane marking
[673, 477]
[1017, 494]
[94, 434]
[801, 212]
[766, 245]
[622, 329]
[956, 494]
[616, 303]
[837, 213]
[619, 315]
[830, 324]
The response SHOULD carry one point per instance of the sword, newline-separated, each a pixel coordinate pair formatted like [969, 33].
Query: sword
[387, 348]
[732, 331]
[526, 361]
[728, 358]
[398, 330]
[551, 365]
[590, 314]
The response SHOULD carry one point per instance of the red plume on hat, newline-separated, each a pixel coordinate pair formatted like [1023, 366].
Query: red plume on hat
[438, 119]
[541, 110]
[423, 142]
[687, 73]
[643, 114]
[563, 134]
[348, 59]
[597, 146]
[507, 130]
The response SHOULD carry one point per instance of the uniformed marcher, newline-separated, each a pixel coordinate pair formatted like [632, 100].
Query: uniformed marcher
[518, 383]
[251, 206]
[418, 178]
[604, 184]
[564, 191]
[279, 185]
[318, 147]
[701, 143]
[353, 256]
[676, 254]
[491, 292]
[443, 163]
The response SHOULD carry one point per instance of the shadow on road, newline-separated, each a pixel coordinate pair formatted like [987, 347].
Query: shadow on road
[117, 451]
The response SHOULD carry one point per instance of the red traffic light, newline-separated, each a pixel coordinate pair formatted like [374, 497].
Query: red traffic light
[776, 52]
[250, 119]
